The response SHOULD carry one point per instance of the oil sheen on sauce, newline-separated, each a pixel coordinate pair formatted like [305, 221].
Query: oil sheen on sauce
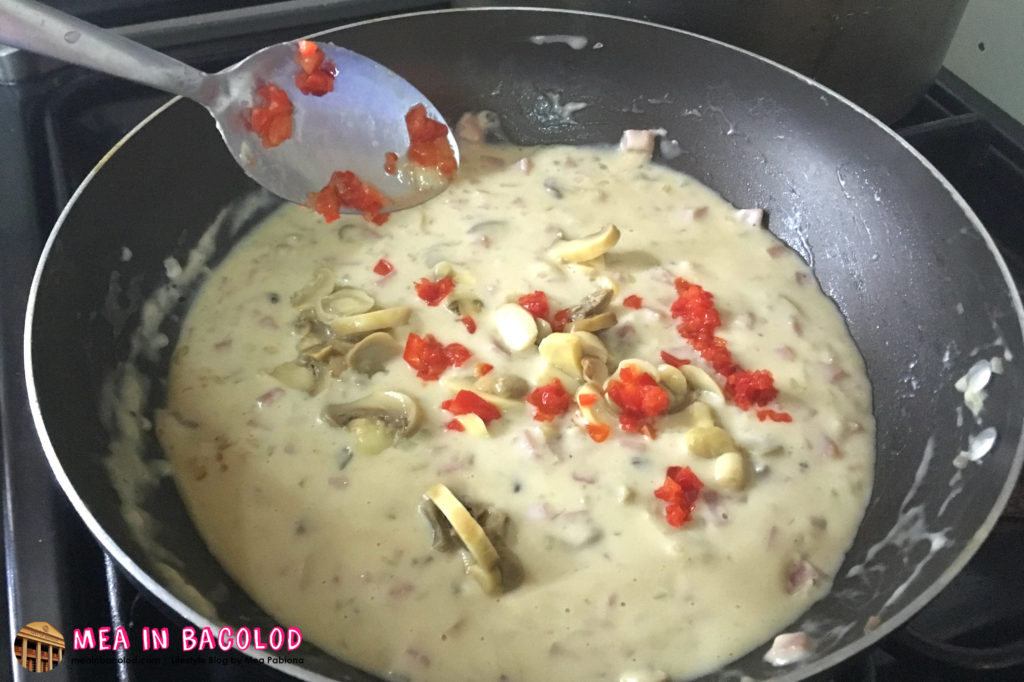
[329, 538]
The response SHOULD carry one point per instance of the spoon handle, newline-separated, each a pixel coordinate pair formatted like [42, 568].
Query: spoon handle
[38, 28]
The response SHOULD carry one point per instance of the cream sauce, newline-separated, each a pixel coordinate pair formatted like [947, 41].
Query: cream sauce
[333, 543]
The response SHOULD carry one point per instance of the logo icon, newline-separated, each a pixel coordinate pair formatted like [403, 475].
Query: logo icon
[39, 647]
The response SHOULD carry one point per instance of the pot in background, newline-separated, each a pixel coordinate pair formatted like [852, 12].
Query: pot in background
[882, 54]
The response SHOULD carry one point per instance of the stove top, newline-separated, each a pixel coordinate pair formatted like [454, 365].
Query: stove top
[64, 119]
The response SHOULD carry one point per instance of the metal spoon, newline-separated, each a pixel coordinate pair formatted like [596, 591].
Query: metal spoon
[350, 128]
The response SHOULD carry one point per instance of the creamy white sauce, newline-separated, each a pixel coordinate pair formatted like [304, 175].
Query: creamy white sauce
[334, 544]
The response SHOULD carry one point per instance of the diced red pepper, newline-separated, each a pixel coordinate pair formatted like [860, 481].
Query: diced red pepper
[469, 322]
[680, 491]
[428, 142]
[456, 354]
[551, 400]
[390, 163]
[383, 267]
[467, 402]
[639, 397]
[774, 416]
[272, 120]
[633, 301]
[483, 368]
[317, 75]
[454, 425]
[434, 292]
[695, 309]
[670, 359]
[587, 399]
[535, 303]
[430, 358]
[750, 388]
[346, 189]
[599, 432]
[561, 320]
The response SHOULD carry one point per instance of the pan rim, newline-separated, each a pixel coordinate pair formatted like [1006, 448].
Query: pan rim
[156, 589]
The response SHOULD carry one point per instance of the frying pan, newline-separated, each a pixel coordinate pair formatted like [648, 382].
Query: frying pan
[924, 291]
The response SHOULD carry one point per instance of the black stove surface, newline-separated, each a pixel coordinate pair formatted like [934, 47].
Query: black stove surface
[56, 571]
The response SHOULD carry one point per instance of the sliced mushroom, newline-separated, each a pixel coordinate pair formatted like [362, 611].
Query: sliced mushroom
[465, 305]
[697, 413]
[372, 435]
[370, 322]
[473, 425]
[441, 537]
[594, 371]
[297, 375]
[516, 325]
[709, 441]
[377, 420]
[596, 410]
[592, 303]
[699, 380]
[443, 269]
[503, 385]
[321, 352]
[586, 248]
[455, 383]
[594, 323]
[675, 381]
[484, 568]
[371, 354]
[321, 285]
[562, 351]
[591, 345]
[347, 301]
[731, 470]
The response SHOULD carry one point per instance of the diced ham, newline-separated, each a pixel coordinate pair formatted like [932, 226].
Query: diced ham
[751, 216]
[800, 575]
[690, 214]
[469, 128]
[270, 396]
[789, 648]
[640, 141]
[785, 352]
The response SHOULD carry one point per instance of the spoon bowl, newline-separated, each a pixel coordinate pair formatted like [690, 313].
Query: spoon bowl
[350, 128]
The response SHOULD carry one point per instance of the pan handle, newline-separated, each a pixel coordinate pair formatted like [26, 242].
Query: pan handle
[38, 28]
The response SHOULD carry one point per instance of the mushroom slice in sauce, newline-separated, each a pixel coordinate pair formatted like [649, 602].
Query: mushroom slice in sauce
[591, 345]
[370, 322]
[465, 305]
[594, 323]
[347, 301]
[502, 385]
[455, 383]
[592, 304]
[485, 568]
[301, 376]
[321, 285]
[378, 420]
[675, 381]
[699, 380]
[371, 354]
[562, 351]
[586, 248]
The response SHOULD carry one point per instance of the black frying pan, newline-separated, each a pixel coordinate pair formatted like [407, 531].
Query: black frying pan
[917, 277]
